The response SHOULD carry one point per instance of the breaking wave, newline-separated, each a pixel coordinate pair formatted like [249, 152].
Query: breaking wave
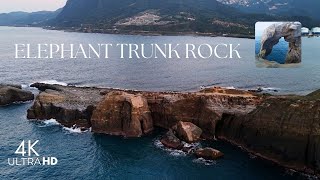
[173, 152]
[204, 161]
[54, 82]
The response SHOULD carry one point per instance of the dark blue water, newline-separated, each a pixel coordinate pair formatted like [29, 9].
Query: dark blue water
[279, 51]
[91, 156]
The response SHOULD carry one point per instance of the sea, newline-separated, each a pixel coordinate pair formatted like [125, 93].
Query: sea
[279, 51]
[85, 155]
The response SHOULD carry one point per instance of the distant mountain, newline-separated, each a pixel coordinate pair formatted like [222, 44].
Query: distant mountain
[308, 8]
[24, 18]
[161, 16]
[166, 16]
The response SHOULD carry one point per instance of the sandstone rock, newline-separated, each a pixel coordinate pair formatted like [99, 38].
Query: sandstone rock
[68, 105]
[121, 113]
[285, 130]
[291, 33]
[188, 132]
[11, 94]
[171, 141]
[209, 153]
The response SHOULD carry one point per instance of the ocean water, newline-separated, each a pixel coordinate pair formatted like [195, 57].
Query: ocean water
[154, 74]
[91, 156]
[279, 51]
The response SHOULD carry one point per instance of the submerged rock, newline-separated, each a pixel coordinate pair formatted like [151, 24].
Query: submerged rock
[208, 153]
[188, 132]
[121, 113]
[170, 140]
[10, 94]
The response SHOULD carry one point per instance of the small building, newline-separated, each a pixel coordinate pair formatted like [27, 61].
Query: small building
[305, 31]
[316, 31]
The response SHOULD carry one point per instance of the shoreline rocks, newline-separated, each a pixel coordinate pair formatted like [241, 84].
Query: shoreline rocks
[188, 132]
[170, 140]
[208, 153]
[13, 93]
[121, 113]
[285, 129]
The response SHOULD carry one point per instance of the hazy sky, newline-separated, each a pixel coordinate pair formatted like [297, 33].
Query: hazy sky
[30, 5]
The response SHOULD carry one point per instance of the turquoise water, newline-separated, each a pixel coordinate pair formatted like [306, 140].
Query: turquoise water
[279, 51]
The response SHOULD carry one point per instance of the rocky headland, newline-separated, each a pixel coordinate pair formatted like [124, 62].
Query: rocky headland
[13, 94]
[283, 129]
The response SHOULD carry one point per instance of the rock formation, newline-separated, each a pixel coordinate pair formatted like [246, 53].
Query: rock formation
[13, 93]
[188, 132]
[291, 33]
[208, 153]
[170, 140]
[284, 129]
[121, 113]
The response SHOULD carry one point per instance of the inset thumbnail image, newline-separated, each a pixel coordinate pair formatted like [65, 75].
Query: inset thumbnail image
[277, 43]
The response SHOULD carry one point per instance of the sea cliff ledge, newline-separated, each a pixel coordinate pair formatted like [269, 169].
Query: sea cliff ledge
[283, 129]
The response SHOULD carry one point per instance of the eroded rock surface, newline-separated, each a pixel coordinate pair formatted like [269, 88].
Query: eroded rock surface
[284, 129]
[208, 153]
[291, 33]
[13, 93]
[170, 140]
[121, 113]
[188, 132]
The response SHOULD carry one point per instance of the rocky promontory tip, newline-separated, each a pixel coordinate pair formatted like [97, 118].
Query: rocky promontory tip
[13, 93]
[283, 129]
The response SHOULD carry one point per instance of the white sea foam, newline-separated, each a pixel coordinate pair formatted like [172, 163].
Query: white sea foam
[172, 152]
[229, 87]
[50, 122]
[74, 129]
[53, 122]
[270, 89]
[54, 82]
[204, 161]
[176, 152]
[24, 86]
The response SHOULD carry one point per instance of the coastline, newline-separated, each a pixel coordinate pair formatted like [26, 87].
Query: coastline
[145, 33]
[153, 33]
[222, 113]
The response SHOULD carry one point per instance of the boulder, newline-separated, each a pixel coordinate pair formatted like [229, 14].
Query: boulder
[188, 132]
[11, 94]
[170, 140]
[208, 153]
[121, 113]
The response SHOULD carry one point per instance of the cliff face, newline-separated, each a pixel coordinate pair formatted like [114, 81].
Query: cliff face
[10, 94]
[121, 113]
[284, 129]
[134, 113]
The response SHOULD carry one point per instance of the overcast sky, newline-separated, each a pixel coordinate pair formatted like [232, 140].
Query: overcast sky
[30, 5]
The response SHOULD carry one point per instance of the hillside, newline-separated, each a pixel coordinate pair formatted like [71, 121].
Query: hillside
[203, 16]
[27, 19]
[212, 17]
[308, 8]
